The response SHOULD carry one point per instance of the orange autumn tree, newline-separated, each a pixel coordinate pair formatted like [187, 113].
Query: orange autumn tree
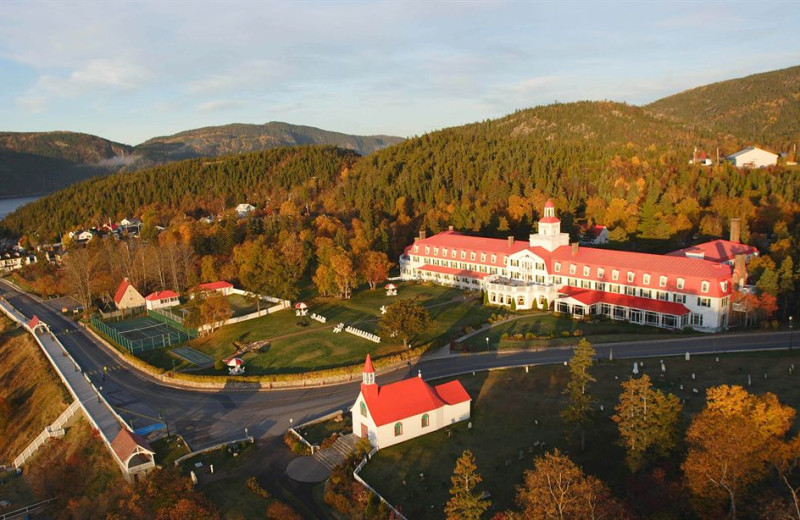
[732, 443]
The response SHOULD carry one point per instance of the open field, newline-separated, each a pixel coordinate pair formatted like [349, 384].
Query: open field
[507, 404]
[31, 394]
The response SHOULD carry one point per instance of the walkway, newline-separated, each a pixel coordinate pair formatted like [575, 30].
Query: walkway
[97, 410]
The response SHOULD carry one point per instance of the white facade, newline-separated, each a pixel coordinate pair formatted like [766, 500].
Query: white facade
[752, 157]
[162, 303]
[244, 209]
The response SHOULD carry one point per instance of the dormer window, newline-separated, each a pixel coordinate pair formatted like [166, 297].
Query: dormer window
[704, 286]
[646, 279]
[615, 275]
[444, 251]
[472, 256]
[416, 249]
[680, 283]
[600, 272]
[494, 259]
[585, 270]
[662, 281]
[572, 269]
[483, 257]
[427, 250]
[463, 255]
[557, 267]
[724, 286]
[630, 276]
[453, 253]
[435, 251]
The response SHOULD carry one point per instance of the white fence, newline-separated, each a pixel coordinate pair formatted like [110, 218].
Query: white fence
[363, 334]
[54, 430]
[364, 483]
[321, 319]
[282, 304]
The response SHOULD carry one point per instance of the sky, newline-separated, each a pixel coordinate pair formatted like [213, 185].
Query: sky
[130, 71]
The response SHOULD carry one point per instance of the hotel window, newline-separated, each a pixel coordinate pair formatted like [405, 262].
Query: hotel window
[453, 253]
[427, 250]
[678, 298]
[645, 293]
[398, 429]
[585, 270]
[505, 260]
[662, 281]
[472, 256]
[703, 302]
[586, 284]
[494, 259]
[557, 267]
[662, 295]
[363, 409]
[704, 287]
[463, 255]
[600, 286]
[646, 279]
[697, 319]
[416, 249]
[601, 272]
[556, 279]
[630, 276]
[615, 275]
[483, 257]
[680, 283]
[614, 288]
[444, 251]
[724, 286]
[630, 291]
[539, 266]
[426, 421]
[435, 251]
[572, 269]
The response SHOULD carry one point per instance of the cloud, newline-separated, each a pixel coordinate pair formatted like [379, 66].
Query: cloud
[217, 105]
[96, 74]
[32, 104]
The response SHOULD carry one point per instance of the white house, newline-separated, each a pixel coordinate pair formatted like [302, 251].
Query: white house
[244, 209]
[11, 260]
[161, 299]
[400, 411]
[127, 297]
[752, 157]
[595, 235]
[84, 236]
[220, 286]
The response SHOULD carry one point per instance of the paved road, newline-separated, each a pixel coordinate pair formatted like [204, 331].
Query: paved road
[207, 417]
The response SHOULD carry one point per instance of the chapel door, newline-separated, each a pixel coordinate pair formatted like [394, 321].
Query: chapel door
[364, 431]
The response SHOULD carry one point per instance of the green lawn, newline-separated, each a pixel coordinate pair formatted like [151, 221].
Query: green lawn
[168, 449]
[508, 404]
[241, 305]
[318, 432]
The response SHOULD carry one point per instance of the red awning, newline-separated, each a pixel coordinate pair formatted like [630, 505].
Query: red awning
[591, 297]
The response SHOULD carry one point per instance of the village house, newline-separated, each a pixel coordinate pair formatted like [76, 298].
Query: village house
[127, 297]
[546, 271]
[400, 411]
[161, 299]
[244, 209]
[752, 157]
[595, 235]
[220, 286]
[13, 259]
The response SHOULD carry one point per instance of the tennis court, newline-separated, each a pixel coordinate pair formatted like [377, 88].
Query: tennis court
[141, 334]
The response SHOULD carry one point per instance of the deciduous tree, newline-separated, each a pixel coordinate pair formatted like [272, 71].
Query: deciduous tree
[466, 502]
[576, 414]
[374, 267]
[647, 420]
[405, 318]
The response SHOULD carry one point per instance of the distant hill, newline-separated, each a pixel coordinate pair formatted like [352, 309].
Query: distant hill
[214, 141]
[33, 163]
[762, 109]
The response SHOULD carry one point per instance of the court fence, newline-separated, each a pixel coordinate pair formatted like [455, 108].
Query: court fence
[168, 317]
[134, 346]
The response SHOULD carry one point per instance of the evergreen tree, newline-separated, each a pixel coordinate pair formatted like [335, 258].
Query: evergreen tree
[466, 503]
[577, 413]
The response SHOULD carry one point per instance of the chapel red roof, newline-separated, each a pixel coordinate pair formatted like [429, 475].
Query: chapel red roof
[163, 295]
[591, 297]
[213, 286]
[409, 397]
[123, 286]
[716, 251]
[126, 442]
[368, 368]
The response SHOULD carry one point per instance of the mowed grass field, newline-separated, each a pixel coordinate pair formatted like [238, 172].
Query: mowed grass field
[295, 348]
[31, 395]
[505, 438]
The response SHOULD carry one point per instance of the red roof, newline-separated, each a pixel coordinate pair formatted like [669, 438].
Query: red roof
[34, 322]
[549, 220]
[126, 442]
[368, 368]
[716, 251]
[123, 286]
[163, 295]
[591, 297]
[403, 399]
[549, 204]
[453, 271]
[213, 286]
[449, 241]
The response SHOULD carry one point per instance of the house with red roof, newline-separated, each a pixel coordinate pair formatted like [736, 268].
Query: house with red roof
[400, 411]
[161, 299]
[127, 297]
[547, 272]
[220, 286]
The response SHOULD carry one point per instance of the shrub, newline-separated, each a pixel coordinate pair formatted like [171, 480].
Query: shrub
[219, 365]
[256, 489]
[577, 333]
[557, 314]
[564, 333]
[295, 445]
[504, 335]
[329, 441]
[530, 335]
[278, 510]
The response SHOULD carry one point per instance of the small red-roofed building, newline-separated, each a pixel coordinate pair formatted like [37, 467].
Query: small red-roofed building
[400, 411]
[220, 286]
[161, 299]
[595, 235]
[133, 453]
[127, 297]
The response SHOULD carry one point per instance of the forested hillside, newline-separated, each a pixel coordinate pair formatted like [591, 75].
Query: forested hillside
[240, 138]
[762, 109]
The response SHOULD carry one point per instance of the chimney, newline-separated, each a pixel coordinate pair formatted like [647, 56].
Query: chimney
[739, 271]
[422, 234]
[574, 248]
[450, 228]
[510, 241]
[736, 229]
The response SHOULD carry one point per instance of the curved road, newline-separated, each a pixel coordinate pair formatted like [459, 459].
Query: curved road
[208, 417]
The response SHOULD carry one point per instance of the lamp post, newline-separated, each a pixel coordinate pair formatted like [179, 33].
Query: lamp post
[100, 389]
[161, 418]
[791, 333]
[487, 343]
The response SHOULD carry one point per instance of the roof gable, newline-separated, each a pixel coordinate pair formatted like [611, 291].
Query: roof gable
[409, 397]
[127, 443]
[123, 286]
